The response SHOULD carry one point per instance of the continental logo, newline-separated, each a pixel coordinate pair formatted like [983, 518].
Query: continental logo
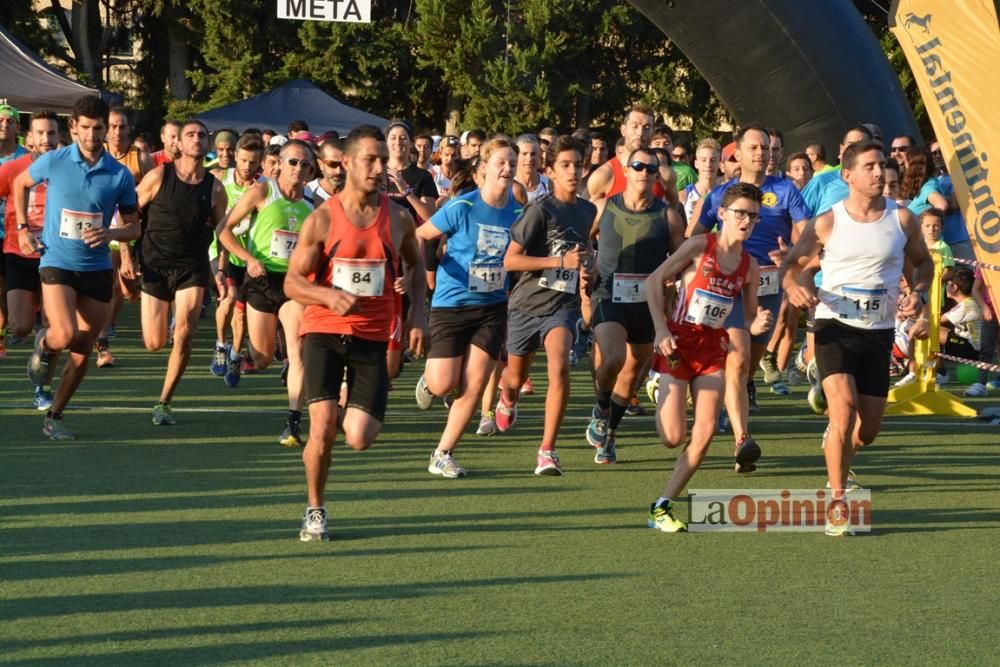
[937, 73]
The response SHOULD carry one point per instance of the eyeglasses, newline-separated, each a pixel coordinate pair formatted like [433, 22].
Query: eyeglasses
[650, 168]
[333, 164]
[295, 162]
[900, 149]
[679, 156]
[742, 214]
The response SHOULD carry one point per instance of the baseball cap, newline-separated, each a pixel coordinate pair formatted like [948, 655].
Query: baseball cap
[10, 111]
[400, 123]
[729, 152]
[278, 140]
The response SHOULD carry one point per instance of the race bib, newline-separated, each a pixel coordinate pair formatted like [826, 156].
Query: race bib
[863, 305]
[628, 288]
[708, 309]
[486, 277]
[360, 277]
[73, 224]
[283, 242]
[560, 280]
[768, 284]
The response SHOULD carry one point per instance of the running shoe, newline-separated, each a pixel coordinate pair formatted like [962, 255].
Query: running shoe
[812, 372]
[816, 399]
[506, 415]
[446, 401]
[581, 343]
[909, 378]
[769, 365]
[653, 390]
[597, 430]
[247, 366]
[752, 395]
[993, 384]
[487, 425]
[634, 409]
[425, 399]
[837, 520]
[43, 398]
[232, 376]
[445, 465]
[38, 365]
[747, 454]
[219, 365]
[661, 517]
[975, 390]
[291, 436]
[162, 415]
[528, 388]
[547, 464]
[53, 429]
[606, 453]
[796, 377]
[780, 388]
[105, 359]
[314, 525]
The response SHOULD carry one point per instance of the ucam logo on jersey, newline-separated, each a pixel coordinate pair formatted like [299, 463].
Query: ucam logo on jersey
[350, 11]
[770, 510]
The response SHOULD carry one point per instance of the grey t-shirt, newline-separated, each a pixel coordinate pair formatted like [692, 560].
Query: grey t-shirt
[550, 228]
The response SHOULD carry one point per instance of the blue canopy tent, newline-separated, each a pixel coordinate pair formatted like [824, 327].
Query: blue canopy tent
[296, 100]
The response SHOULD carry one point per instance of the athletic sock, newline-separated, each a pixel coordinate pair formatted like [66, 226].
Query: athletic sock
[219, 345]
[234, 354]
[53, 415]
[617, 413]
[603, 399]
[294, 417]
[663, 499]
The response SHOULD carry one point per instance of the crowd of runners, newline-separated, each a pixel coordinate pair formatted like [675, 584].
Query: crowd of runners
[673, 270]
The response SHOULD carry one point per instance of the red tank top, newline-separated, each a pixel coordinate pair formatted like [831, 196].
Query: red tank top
[360, 261]
[710, 295]
[618, 183]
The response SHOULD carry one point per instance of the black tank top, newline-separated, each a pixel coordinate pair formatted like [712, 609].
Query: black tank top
[629, 241]
[179, 226]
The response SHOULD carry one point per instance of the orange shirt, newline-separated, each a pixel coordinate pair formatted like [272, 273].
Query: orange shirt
[36, 205]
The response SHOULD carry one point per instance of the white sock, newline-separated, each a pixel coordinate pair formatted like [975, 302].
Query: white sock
[663, 498]
[234, 354]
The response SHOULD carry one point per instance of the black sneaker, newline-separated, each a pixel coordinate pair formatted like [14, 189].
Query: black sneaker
[752, 395]
[747, 454]
[38, 362]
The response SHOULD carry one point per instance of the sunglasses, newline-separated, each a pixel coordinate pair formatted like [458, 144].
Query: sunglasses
[333, 164]
[650, 168]
[742, 214]
[900, 149]
[295, 162]
[679, 156]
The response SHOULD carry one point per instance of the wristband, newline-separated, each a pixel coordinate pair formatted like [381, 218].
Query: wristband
[561, 262]
[21, 226]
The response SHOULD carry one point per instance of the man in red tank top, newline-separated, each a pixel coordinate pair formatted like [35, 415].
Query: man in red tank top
[691, 343]
[342, 271]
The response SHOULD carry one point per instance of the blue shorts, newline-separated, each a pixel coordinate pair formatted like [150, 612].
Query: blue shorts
[527, 332]
[736, 319]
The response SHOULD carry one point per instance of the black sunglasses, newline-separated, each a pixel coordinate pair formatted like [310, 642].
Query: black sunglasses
[294, 162]
[650, 168]
[333, 164]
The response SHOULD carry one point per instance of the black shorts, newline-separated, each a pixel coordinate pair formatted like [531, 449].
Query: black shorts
[955, 345]
[164, 284]
[235, 274]
[454, 329]
[266, 294]
[96, 285]
[861, 353]
[22, 272]
[634, 317]
[327, 356]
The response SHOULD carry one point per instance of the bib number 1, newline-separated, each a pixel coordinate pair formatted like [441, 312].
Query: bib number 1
[628, 288]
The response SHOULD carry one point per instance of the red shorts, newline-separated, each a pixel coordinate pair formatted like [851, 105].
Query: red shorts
[699, 352]
[396, 332]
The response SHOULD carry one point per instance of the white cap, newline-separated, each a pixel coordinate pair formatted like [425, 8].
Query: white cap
[278, 140]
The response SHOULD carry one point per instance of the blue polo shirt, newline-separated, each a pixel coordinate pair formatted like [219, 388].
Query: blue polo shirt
[477, 236]
[78, 191]
[824, 190]
[783, 205]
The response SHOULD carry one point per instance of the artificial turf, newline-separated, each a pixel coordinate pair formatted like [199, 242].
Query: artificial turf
[178, 545]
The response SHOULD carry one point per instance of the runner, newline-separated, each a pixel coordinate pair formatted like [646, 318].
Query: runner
[169, 136]
[229, 271]
[551, 254]
[331, 167]
[277, 209]
[536, 184]
[636, 232]
[861, 243]
[471, 142]
[225, 151]
[342, 271]
[409, 185]
[10, 120]
[706, 163]
[139, 163]
[691, 343]
[799, 169]
[184, 203]
[469, 307]
[23, 284]
[448, 165]
[610, 178]
[423, 146]
[85, 188]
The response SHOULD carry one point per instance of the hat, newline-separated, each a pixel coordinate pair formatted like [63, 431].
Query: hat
[278, 140]
[436, 139]
[10, 111]
[464, 139]
[728, 151]
[400, 123]
[875, 131]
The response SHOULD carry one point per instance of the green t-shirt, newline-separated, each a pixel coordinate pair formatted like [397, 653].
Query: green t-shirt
[686, 175]
[275, 227]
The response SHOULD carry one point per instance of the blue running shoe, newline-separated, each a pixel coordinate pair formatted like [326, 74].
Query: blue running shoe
[218, 366]
[606, 454]
[43, 398]
[597, 430]
[232, 376]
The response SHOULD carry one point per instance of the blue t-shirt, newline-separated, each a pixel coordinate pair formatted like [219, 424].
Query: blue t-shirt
[79, 195]
[19, 150]
[954, 230]
[824, 190]
[477, 236]
[783, 205]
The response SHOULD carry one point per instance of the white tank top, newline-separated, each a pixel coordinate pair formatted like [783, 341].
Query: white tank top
[862, 264]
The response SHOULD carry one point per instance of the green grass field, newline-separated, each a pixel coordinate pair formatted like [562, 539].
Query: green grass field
[178, 545]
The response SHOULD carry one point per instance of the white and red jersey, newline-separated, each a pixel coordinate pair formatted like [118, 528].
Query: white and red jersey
[709, 295]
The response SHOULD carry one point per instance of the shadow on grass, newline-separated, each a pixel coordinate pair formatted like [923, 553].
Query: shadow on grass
[928, 520]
